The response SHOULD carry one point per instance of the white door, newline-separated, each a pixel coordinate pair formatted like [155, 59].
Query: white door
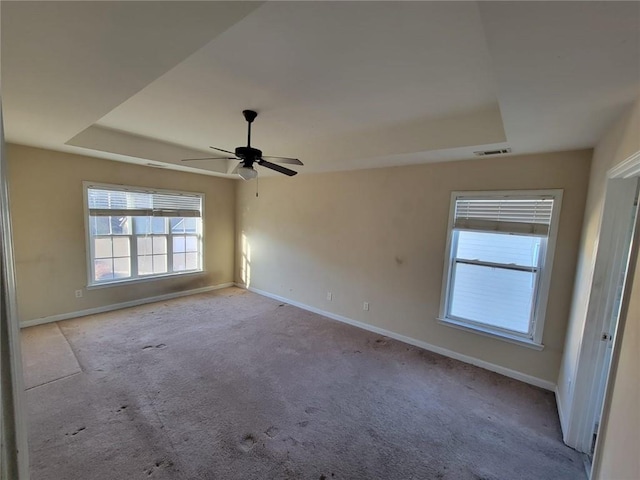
[611, 323]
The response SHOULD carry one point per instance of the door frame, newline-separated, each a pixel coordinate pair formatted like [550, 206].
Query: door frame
[620, 192]
[14, 451]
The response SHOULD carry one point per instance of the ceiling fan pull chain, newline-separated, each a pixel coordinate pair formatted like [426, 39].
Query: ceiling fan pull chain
[257, 186]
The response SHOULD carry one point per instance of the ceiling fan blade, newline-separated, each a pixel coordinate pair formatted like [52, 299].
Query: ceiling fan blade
[208, 158]
[222, 150]
[277, 168]
[291, 161]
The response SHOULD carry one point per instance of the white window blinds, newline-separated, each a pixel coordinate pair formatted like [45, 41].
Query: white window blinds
[519, 215]
[108, 202]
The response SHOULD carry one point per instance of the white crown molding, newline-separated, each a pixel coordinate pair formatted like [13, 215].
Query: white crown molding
[630, 167]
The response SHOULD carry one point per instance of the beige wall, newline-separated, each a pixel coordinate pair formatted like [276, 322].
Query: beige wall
[379, 236]
[49, 234]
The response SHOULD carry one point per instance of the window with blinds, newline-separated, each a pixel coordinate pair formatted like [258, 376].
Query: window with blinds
[135, 233]
[498, 262]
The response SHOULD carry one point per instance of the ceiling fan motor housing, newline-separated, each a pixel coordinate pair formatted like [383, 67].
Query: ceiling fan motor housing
[248, 154]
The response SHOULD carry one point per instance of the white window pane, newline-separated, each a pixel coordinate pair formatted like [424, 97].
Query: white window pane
[191, 225]
[191, 262]
[103, 269]
[141, 225]
[144, 246]
[191, 243]
[159, 264]
[121, 267]
[179, 262]
[493, 296]
[177, 225]
[145, 264]
[159, 225]
[159, 245]
[499, 248]
[102, 248]
[100, 226]
[120, 225]
[121, 246]
[149, 225]
[178, 244]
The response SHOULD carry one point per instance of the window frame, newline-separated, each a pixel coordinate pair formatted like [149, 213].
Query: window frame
[533, 338]
[89, 247]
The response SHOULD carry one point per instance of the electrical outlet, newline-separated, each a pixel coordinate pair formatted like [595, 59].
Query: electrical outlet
[78, 293]
[365, 306]
[329, 296]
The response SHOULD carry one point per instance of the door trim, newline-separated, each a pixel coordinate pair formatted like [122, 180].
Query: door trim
[15, 451]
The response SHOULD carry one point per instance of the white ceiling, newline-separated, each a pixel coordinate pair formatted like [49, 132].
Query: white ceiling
[340, 85]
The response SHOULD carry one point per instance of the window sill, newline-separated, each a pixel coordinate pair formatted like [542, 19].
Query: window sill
[120, 283]
[524, 342]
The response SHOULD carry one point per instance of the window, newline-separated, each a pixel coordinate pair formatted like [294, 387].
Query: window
[135, 233]
[498, 263]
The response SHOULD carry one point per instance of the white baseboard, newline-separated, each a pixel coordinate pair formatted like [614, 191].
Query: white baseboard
[507, 372]
[118, 306]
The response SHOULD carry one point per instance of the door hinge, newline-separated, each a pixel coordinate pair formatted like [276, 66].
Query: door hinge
[606, 336]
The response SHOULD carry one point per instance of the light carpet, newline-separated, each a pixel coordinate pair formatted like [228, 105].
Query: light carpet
[232, 385]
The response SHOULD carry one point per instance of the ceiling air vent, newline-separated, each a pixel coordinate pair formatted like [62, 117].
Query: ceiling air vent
[500, 151]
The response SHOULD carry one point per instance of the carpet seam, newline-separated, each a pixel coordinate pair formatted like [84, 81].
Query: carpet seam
[51, 381]
[75, 354]
[164, 433]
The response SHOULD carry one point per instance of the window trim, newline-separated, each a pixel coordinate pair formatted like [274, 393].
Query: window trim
[91, 284]
[534, 338]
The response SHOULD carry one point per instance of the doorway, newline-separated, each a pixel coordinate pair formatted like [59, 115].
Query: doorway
[606, 303]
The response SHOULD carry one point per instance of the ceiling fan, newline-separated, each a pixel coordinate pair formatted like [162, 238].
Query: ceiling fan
[249, 155]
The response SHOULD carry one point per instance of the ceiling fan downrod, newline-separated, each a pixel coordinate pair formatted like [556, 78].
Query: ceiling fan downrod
[249, 116]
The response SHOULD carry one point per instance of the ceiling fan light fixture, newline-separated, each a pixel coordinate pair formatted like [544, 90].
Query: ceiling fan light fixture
[247, 173]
